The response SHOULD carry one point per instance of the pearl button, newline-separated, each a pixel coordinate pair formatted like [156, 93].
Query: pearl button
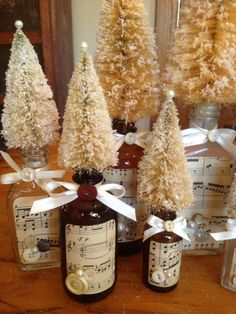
[158, 276]
[130, 138]
[169, 225]
[89, 274]
[213, 135]
[76, 283]
[31, 255]
[27, 174]
[30, 242]
[192, 225]
[198, 218]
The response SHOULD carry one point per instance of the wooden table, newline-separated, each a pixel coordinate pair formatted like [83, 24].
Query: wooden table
[198, 291]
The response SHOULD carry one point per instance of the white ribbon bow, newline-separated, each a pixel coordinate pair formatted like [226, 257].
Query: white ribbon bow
[197, 136]
[141, 139]
[59, 199]
[226, 235]
[158, 225]
[26, 174]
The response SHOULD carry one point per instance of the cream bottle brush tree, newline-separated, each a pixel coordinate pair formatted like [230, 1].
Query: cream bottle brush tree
[163, 180]
[126, 60]
[87, 141]
[30, 116]
[202, 66]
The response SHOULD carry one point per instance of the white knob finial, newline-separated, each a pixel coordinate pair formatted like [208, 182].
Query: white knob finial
[19, 24]
[84, 46]
[170, 94]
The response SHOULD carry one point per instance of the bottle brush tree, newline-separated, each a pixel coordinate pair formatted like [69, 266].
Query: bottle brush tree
[30, 116]
[126, 60]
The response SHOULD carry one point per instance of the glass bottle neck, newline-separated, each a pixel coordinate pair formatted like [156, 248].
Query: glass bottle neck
[204, 116]
[35, 158]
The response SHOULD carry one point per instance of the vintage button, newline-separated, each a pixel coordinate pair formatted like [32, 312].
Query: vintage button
[31, 255]
[169, 225]
[158, 276]
[27, 174]
[199, 219]
[192, 225]
[213, 135]
[89, 274]
[87, 192]
[130, 138]
[168, 273]
[44, 245]
[234, 281]
[201, 236]
[30, 242]
[76, 283]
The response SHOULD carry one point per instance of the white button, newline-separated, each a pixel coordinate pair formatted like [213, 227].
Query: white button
[169, 225]
[76, 283]
[27, 174]
[158, 276]
[89, 274]
[213, 135]
[130, 138]
[30, 242]
[234, 281]
[31, 255]
[198, 218]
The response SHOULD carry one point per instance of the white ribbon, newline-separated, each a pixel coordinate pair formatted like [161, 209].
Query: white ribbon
[27, 174]
[141, 139]
[197, 136]
[226, 235]
[59, 199]
[158, 225]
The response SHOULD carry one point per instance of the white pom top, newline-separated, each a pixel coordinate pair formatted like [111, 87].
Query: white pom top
[19, 24]
[84, 46]
[170, 94]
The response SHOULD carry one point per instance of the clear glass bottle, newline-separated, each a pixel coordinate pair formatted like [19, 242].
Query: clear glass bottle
[211, 169]
[88, 242]
[228, 275]
[35, 238]
[130, 233]
[162, 257]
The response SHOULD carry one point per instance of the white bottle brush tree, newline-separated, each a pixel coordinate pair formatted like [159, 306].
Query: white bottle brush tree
[202, 63]
[126, 60]
[163, 180]
[30, 116]
[87, 141]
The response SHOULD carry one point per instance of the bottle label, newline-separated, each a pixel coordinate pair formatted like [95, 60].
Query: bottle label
[212, 178]
[164, 263]
[37, 234]
[128, 230]
[92, 249]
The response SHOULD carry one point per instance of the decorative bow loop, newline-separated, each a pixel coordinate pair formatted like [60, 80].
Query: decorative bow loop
[197, 136]
[59, 199]
[158, 225]
[26, 174]
[141, 139]
[226, 235]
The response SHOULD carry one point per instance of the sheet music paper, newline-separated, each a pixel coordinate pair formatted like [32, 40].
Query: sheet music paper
[168, 257]
[92, 248]
[212, 178]
[42, 226]
[128, 179]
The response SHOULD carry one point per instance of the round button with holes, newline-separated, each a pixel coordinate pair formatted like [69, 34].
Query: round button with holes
[130, 138]
[169, 225]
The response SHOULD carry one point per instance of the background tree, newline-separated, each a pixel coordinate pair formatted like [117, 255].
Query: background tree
[30, 117]
[87, 140]
[202, 63]
[126, 60]
[163, 178]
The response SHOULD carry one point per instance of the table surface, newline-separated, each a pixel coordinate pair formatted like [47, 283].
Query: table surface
[41, 291]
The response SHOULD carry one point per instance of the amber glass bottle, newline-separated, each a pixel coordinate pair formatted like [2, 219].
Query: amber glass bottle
[162, 256]
[211, 169]
[130, 233]
[88, 241]
[34, 238]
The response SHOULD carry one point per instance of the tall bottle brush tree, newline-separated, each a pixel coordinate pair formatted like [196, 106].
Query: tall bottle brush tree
[202, 63]
[30, 116]
[87, 141]
[126, 60]
[163, 180]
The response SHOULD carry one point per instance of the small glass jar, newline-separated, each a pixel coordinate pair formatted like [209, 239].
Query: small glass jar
[34, 237]
[211, 169]
[130, 233]
[88, 242]
[162, 256]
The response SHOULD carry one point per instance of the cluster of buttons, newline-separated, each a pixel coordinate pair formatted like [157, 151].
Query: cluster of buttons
[78, 282]
[200, 235]
[33, 247]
